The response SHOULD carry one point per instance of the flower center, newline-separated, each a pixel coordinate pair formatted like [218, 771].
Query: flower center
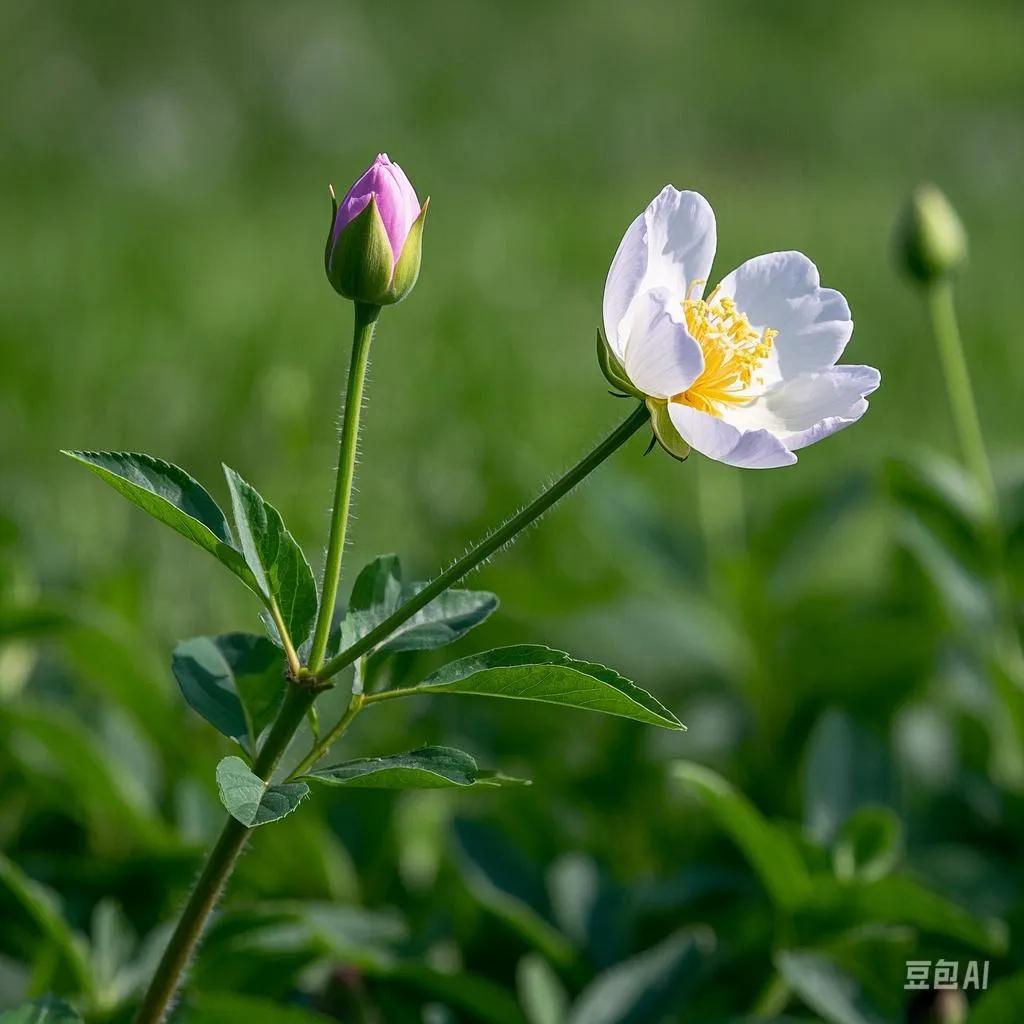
[733, 352]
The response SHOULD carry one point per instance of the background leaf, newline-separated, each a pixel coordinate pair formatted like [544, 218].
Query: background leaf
[826, 989]
[250, 800]
[645, 988]
[769, 850]
[447, 618]
[47, 1010]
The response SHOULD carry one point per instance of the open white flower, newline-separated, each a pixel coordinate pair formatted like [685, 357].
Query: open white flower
[746, 374]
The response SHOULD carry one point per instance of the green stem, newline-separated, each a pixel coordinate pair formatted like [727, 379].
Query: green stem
[218, 867]
[942, 311]
[299, 698]
[362, 335]
[487, 547]
[321, 747]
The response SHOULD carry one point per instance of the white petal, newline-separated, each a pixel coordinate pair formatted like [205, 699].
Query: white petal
[681, 241]
[625, 276]
[811, 406]
[721, 441]
[671, 245]
[781, 290]
[662, 358]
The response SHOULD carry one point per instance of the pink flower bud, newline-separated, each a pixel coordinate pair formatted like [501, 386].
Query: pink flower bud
[396, 202]
[374, 244]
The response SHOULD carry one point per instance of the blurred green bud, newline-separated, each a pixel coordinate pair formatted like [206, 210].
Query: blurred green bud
[930, 239]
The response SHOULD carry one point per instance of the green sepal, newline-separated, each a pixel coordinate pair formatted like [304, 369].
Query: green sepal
[613, 370]
[360, 262]
[665, 431]
[407, 269]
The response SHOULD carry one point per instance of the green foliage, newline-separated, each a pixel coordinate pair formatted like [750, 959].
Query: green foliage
[236, 682]
[250, 800]
[826, 989]
[47, 1010]
[277, 562]
[425, 768]
[171, 496]
[534, 673]
[377, 593]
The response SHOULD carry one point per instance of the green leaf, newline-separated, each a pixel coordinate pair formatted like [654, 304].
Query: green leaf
[378, 587]
[250, 800]
[869, 846]
[425, 768]
[276, 560]
[235, 681]
[646, 988]
[378, 592]
[228, 1008]
[43, 906]
[1000, 1004]
[169, 494]
[48, 1010]
[541, 992]
[529, 672]
[827, 989]
[769, 850]
[897, 900]
[447, 618]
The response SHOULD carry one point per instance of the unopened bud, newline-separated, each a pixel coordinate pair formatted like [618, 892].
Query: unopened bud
[930, 239]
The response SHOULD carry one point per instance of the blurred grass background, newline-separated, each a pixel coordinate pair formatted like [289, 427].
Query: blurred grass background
[164, 173]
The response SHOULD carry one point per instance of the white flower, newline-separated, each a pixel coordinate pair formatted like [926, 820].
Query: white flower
[746, 374]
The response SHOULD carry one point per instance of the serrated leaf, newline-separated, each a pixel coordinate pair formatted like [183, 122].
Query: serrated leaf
[235, 681]
[645, 988]
[377, 593]
[530, 672]
[424, 768]
[276, 560]
[173, 497]
[825, 988]
[768, 849]
[447, 618]
[250, 800]
[48, 1010]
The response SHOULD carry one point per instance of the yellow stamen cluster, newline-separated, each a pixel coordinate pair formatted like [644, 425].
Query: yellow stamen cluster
[733, 352]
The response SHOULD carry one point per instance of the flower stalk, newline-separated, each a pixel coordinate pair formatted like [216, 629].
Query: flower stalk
[942, 312]
[490, 544]
[365, 322]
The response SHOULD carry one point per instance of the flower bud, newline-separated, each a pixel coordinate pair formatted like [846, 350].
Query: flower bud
[931, 240]
[373, 247]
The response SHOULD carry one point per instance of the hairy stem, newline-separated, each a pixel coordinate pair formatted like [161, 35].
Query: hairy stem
[362, 335]
[490, 544]
[218, 867]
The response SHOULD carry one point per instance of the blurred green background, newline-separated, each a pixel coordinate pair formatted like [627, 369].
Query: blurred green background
[834, 635]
